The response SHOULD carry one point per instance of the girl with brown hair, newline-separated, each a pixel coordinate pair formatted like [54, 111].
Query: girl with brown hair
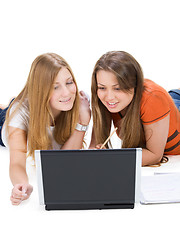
[143, 112]
[49, 113]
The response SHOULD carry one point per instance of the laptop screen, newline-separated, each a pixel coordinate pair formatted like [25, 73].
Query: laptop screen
[89, 176]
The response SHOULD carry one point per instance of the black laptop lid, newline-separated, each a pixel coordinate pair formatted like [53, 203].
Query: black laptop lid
[89, 176]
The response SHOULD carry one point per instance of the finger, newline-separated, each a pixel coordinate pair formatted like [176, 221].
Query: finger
[15, 201]
[18, 186]
[82, 93]
[14, 196]
[17, 189]
[17, 195]
[24, 191]
[97, 147]
[25, 197]
[27, 189]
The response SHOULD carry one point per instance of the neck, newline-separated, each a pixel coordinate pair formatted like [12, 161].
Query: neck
[122, 113]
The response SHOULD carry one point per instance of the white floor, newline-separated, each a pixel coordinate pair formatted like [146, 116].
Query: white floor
[30, 221]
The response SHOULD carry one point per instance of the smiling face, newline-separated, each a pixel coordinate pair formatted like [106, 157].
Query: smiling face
[110, 93]
[64, 92]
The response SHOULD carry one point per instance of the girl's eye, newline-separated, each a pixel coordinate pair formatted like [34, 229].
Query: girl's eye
[101, 88]
[56, 87]
[117, 89]
[70, 82]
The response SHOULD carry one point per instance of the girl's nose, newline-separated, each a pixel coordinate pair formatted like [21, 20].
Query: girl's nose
[109, 95]
[64, 91]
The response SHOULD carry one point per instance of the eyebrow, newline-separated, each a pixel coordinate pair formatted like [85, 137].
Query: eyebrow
[112, 85]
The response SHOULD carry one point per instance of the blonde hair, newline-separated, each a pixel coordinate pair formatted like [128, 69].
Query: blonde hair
[37, 91]
[129, 75]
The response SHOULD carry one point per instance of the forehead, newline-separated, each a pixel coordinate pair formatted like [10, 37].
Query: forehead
[63, 75]
[106, 78]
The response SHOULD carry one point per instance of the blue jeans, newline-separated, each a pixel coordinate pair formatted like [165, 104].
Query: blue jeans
[175, 94]
[2, 120]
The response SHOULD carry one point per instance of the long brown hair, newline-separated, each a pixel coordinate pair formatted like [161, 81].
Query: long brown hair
[37, 92]
[129, 75]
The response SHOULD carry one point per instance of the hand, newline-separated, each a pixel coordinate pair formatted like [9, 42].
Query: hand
[20, 192]
[84, 110]
[99, 146]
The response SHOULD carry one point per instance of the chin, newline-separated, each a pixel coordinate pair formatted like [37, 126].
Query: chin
[67, 108]
[113, 110]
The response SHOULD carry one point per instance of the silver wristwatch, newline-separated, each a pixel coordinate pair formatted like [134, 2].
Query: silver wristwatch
[81, 128]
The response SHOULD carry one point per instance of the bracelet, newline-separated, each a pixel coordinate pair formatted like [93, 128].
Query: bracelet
[81, 128]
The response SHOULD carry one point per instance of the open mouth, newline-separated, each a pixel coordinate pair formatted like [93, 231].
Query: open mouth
[112, 104]
[65, 101]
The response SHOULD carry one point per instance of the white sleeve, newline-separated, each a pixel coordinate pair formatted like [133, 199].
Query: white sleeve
[21, 117]
[19, 120]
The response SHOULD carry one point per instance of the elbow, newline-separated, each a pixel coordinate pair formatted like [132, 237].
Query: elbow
[151, 159]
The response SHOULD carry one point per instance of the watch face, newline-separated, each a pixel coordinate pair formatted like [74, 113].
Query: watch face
[83, 128]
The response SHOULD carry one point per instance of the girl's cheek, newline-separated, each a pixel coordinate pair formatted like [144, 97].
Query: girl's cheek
[99, 94]
[73, 88]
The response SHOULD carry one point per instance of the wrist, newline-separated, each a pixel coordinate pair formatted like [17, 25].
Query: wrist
[81, 128]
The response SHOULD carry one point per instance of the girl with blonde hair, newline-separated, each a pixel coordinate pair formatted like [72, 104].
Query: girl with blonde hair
[49, 113]
[143, 112]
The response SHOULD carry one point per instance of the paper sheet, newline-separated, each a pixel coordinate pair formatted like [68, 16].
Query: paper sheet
[160, 188]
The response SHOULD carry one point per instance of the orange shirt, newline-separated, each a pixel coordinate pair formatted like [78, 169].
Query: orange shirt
[156, 104]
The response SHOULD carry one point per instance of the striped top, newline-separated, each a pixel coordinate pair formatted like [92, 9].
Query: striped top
[156, 104]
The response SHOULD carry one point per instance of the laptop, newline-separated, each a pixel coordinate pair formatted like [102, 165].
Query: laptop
[88, 179]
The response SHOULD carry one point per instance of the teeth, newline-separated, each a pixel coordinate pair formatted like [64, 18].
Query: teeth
[111, 104]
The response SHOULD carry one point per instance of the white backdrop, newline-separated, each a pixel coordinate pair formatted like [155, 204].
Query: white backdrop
[81, 31]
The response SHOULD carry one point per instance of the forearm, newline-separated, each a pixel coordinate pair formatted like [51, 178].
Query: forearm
[156, 135]
[75, 141]
[150, 158]
[17, 168]
[18, 174]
